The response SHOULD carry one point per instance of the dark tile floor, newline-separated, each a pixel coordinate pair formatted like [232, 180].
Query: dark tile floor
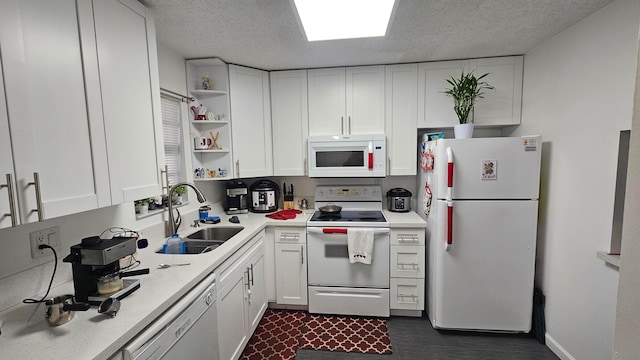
[415, 339]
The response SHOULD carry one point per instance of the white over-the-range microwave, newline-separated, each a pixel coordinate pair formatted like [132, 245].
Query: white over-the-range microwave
[360, 155]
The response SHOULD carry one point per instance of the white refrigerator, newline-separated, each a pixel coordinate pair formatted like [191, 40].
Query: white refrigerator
[481, 231]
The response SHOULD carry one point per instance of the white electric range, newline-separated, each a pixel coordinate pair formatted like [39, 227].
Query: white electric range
[337, 286]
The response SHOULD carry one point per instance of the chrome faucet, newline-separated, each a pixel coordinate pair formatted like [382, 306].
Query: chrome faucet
[201, 199]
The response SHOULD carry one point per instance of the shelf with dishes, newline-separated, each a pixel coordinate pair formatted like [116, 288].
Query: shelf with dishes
[210, 119]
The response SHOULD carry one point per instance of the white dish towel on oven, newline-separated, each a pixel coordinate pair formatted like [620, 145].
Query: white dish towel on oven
[360, 245]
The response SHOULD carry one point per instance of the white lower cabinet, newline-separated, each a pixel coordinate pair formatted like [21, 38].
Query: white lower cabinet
[407, 269]
[241, 298]
[291, 266]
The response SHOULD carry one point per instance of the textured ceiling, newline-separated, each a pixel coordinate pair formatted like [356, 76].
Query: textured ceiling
[265, 33]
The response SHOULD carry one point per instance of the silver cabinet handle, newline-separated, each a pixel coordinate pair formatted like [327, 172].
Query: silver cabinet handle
[349, 124]
[36, 183]
[237, 168]
[302, 254]
[248, 278]
[342, 125]
[304, 171]
[251, 274]
[12, 202]
[165, 171]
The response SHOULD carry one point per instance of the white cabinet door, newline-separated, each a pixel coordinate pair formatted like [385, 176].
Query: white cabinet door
[365, 100]
[345, 101]
[250, 121]
[503, 105]
[8, 205]
[242, 298]
[127, 58]
[257, 293]
[289, 122]
[435, 109]
[291, 274]
[401, 118]
[233, 331]
[327, 107]
[47, 111]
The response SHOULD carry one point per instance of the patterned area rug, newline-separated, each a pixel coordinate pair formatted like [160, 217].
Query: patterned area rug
[281, 332]
[346, 334]
[276, 337]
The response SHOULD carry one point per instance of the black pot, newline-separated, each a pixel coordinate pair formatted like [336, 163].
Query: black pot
[399, 200]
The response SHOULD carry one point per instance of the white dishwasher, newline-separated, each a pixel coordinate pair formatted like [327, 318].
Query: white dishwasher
[188, 330]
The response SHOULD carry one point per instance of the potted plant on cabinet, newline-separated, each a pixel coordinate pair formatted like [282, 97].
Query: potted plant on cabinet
[178, 192]
[465, 91]
[142, 206]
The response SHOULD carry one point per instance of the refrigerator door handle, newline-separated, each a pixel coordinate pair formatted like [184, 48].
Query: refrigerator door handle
[449, 224]
[449, 174]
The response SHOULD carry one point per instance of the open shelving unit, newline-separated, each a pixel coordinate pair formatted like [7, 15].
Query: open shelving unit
[208, 164]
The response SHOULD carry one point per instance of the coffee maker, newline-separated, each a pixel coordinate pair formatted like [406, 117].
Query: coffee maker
[236, 197]
[95, 264]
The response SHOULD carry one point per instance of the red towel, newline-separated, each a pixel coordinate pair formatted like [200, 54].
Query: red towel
[284, 214]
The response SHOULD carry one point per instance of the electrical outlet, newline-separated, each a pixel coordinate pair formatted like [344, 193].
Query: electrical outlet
[49, 236]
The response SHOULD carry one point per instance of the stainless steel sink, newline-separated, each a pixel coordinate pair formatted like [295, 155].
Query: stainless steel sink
[207, 239]
[216, 233]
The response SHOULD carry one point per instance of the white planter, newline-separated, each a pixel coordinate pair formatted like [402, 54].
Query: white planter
[143, 209]
[463, 131]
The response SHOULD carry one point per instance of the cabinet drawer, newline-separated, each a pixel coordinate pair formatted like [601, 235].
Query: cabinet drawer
[407, 261]
[291, 235]
[406, 294]
[407, 236]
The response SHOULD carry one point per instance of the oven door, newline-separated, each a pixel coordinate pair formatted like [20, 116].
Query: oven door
[328, 261]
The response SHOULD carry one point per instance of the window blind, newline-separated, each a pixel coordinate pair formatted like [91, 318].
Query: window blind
[172, 134]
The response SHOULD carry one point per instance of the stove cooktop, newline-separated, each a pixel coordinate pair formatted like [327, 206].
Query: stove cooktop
[349, 216]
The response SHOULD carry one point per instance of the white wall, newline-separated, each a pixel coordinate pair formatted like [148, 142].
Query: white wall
[627, 346]
[578, 94]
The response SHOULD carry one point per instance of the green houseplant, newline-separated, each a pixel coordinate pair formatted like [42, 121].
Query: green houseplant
[142, 206]
[178, 192]
[465, 91]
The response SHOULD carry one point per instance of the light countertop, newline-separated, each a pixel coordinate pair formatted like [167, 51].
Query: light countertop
[26, 334]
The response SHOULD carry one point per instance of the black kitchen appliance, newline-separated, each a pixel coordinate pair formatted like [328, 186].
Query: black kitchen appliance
[264, 196]
[236, 197]
[399, 200]
[96, 259]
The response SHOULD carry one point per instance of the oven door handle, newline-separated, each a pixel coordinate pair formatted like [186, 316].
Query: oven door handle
[327, 230]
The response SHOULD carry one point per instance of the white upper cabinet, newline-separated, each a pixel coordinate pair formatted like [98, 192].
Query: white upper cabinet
[289, 122]
[365, 100]
[250, 121]
[401, 118]
[499, 107]
[345, 101]
[503, 105]
[127, 61]
[54, 161]
[8, 205]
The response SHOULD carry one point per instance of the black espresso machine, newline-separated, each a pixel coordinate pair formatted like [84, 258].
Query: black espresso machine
[96, 269]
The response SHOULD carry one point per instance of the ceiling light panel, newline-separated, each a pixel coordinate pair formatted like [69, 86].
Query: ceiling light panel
[344, 19]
